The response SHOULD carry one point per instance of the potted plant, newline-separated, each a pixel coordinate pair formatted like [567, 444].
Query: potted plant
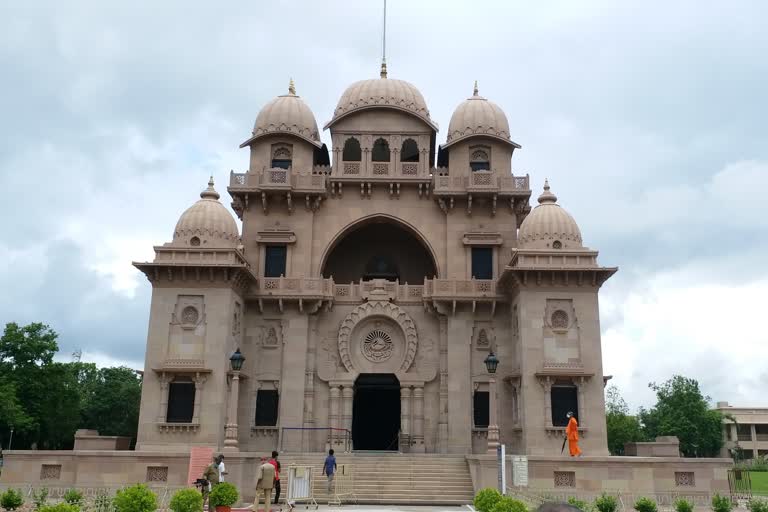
[11, 499]
[223, 496]
[187, 500]
[137, 498]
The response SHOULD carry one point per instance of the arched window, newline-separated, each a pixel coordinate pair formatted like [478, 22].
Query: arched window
[410, 151]
[352, 151]
[479, 159]
[281, 157]
[380, 151]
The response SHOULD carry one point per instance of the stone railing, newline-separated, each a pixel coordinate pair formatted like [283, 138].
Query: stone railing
[480, 181]
[238, 179]
[356, 292]
[452, 289]
[278, 178]
[380, 170]
[295, 287]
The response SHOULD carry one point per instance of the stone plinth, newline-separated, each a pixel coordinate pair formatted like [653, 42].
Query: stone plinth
[91, 440]
[665, 446]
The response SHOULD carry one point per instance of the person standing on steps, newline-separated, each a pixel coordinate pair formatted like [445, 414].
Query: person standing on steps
[265, 481]
[329, 468]
[572, 434]
[276, 463]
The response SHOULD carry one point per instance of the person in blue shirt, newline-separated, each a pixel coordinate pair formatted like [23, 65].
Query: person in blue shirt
[329, 468]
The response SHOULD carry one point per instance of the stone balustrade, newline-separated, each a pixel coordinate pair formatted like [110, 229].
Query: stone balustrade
[480, 181]
[278, 179]
[309, 287]
[356, 292]
[460, 289]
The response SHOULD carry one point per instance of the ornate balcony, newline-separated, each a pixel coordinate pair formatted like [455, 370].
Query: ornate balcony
[312, 291]
[368, 174]
[311, 186]
[454, 291]
[357, 292]
[485, 184]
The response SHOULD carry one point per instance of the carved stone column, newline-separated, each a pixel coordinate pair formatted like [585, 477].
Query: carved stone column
[230, 429]
[580, 383]
[199, 381]
[547, 385]
[347, 392]
[256, 387]
[417, 443]
[405, 417]
[163, 411]
[334, 414]
[493, 424]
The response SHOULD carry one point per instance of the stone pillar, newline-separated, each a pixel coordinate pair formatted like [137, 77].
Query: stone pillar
[199, 381]
[442, 426]
[417, 445]
[161, 414]
[547, 385]
[493, 416]
[580, 384]
[256, 387]
[753, 439]
[405, 417]
[459, 382]
[292, 379]
[333, 412]
[230, 429]
[347, 393]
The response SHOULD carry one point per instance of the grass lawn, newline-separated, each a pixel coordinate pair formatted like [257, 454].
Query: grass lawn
[759, 482]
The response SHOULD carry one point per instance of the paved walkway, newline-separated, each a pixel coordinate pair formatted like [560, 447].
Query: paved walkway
[363, 508]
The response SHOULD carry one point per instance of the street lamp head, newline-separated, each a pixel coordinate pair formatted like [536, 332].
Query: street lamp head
[236, 360]
[491, 362]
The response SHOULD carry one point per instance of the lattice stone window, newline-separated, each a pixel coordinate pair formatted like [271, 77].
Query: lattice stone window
[50, 472]
[479, 159]
[565, 479]
[684, 479]
[557, 244]
[281, 157]
[189, 315]
[157, 473]
[194, 241]
[560, 319]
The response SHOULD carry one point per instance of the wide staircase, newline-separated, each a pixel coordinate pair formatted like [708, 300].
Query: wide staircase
[394, 478]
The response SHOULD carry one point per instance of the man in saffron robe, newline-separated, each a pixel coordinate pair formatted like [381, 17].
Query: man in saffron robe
[572, 434]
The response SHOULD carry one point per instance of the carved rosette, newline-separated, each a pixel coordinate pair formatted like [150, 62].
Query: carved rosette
[378, 309]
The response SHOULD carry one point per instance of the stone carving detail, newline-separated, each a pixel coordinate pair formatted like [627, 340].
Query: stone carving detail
[377, 346]
[157, 474]
[271, 338]
[50, 472]
[565, 479]
[482, 339]
[382, 309]
[684, 479]
[236, 320]
[189, 315]
[559, 319]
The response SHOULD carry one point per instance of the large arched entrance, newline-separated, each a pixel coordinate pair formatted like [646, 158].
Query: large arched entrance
[379, 248]
[376, 412]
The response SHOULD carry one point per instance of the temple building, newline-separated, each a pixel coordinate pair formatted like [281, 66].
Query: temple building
[368, 289]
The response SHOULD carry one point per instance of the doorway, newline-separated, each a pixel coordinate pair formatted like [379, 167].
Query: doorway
[376, 412]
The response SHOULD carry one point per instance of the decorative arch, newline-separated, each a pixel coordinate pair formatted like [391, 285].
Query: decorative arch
[368, 219]
[378, 309]
[352, 151]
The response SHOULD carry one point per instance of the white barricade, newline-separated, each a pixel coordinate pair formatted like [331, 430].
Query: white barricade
[300, 486]
[343, 485]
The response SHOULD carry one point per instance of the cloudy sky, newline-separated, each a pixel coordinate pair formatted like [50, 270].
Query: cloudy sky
[648, 119]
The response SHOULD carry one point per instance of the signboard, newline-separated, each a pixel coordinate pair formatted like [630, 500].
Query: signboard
[519, 470]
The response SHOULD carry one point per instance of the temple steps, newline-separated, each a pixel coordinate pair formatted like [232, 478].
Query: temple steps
[425, 479]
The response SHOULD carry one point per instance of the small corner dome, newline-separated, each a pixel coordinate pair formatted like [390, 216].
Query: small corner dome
[549, 226]
[207, 223]
[382, 93]
[286, 114]
[478, 116]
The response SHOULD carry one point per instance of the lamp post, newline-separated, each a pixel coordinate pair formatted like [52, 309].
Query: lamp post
[10, 441]
[236, 364]
[491, 363]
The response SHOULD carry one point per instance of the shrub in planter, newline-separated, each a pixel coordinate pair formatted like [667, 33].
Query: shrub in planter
[606, 503]
[40, 497]
[187, 500]
[645, 505]
[485, 499]
[683, 505]
[60, 507]
[223, 496]
[507, 504]
[757, 505]
[138, 498]
[721, 503]
[579, 504]
[74, 497]
[11, 499]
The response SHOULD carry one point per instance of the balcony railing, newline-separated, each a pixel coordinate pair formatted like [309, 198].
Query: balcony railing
[295, 287]
[481, 181]
[379, 170]
[277, 178]
[355, 292]
[449, 289]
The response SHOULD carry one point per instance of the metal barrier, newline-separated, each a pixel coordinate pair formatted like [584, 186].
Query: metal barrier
[300, 486]
[740, 483]
[343, 485]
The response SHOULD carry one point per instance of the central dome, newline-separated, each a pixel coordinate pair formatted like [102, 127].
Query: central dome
[382, 92]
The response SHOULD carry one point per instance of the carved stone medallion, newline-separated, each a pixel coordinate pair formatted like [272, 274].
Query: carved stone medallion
[377, 346]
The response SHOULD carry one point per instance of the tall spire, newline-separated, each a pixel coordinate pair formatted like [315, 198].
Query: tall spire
[291, 88]
[547, 196]
[475, 91]
[383, 73]
[210, 192]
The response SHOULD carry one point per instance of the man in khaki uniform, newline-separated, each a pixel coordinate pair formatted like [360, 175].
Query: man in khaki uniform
[211, 473]
[265, 481]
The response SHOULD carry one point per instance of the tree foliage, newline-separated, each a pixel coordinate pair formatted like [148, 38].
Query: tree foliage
[621, 426]
[682, 410]
[45, 401]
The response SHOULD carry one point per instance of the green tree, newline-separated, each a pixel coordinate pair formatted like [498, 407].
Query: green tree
[682, 410]
[114, 409]
[620, 425]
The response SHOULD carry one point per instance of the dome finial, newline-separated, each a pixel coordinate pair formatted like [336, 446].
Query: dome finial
[210, 192]
[547, 196]
[383, 73]
[291, 88]
[475, 91]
